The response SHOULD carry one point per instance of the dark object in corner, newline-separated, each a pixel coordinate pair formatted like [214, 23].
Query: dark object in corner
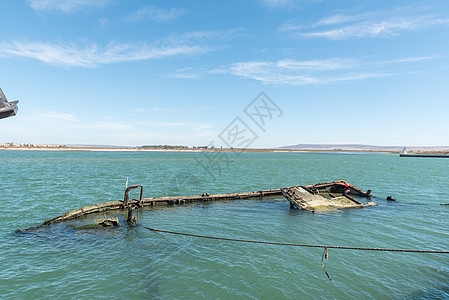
[7, 109]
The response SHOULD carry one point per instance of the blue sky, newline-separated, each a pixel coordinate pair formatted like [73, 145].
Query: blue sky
[180, 72]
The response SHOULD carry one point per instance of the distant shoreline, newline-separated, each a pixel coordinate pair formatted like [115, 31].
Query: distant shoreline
[270, 150]
[124, 149]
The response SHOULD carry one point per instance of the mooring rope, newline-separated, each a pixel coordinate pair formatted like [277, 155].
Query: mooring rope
[297, 245]
[326, 247]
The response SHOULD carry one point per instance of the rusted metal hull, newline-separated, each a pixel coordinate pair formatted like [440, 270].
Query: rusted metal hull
[158, 201]
[308, 190]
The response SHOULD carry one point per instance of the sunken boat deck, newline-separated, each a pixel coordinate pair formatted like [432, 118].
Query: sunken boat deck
[337, 194]
[334, 194]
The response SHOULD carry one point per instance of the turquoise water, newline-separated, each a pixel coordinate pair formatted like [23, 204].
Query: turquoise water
[135, 263]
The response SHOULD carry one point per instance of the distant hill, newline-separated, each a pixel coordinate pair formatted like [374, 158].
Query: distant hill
[360, 147]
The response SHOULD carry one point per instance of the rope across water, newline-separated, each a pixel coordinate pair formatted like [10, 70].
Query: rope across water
[298, 245]
[326, 247]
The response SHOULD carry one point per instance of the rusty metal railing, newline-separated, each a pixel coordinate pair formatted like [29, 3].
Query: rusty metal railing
[126, 200]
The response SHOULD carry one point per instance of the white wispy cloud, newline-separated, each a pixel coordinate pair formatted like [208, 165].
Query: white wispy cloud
[137, 110]
[372, 28]
[202, 127]
[53, 115]
[342, 18]
[282, 4]
[167, 124]
[221, 35]
[286, 71]
[320, 65]
[326, 71]
[276, 3]
[410, 59]
[362, 25]
[66, 6]
[176, 124]
[110, 126]
[152, 13]
[92, 55]
[159, 109]
[290, 27]
[185, 73]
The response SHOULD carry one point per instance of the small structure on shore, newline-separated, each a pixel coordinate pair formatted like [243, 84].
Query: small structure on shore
[437, 155]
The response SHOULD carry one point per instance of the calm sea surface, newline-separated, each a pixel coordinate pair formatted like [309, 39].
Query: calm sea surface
[134, 263]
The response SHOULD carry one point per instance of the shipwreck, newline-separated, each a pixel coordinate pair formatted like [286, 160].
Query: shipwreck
[330, 195]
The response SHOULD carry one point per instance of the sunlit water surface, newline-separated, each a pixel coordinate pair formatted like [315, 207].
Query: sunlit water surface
[134, 263]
